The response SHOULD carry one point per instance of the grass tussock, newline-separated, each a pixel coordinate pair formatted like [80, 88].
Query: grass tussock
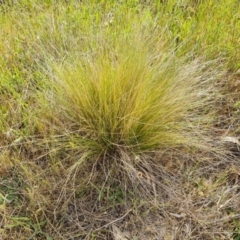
[125, 102]
[138, 101]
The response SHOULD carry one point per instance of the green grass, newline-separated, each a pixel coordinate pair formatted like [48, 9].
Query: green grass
[113, 110]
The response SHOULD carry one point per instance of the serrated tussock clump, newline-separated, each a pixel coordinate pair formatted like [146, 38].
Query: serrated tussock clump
[131, 96]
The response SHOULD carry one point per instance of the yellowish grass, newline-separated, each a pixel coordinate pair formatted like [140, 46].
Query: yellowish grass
[132, 97]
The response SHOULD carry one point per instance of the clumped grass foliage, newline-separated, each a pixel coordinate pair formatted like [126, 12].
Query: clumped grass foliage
[129, 97]
[127, 103]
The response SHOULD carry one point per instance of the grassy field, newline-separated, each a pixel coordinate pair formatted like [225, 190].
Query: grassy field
[119, 120]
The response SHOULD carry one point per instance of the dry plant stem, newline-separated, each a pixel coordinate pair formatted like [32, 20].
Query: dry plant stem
[116, 220]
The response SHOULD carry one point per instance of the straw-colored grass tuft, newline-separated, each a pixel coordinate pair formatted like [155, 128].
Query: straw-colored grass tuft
[127, 100]
[136, 101]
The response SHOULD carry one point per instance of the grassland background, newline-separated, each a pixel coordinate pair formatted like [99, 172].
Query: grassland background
[55, 185]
